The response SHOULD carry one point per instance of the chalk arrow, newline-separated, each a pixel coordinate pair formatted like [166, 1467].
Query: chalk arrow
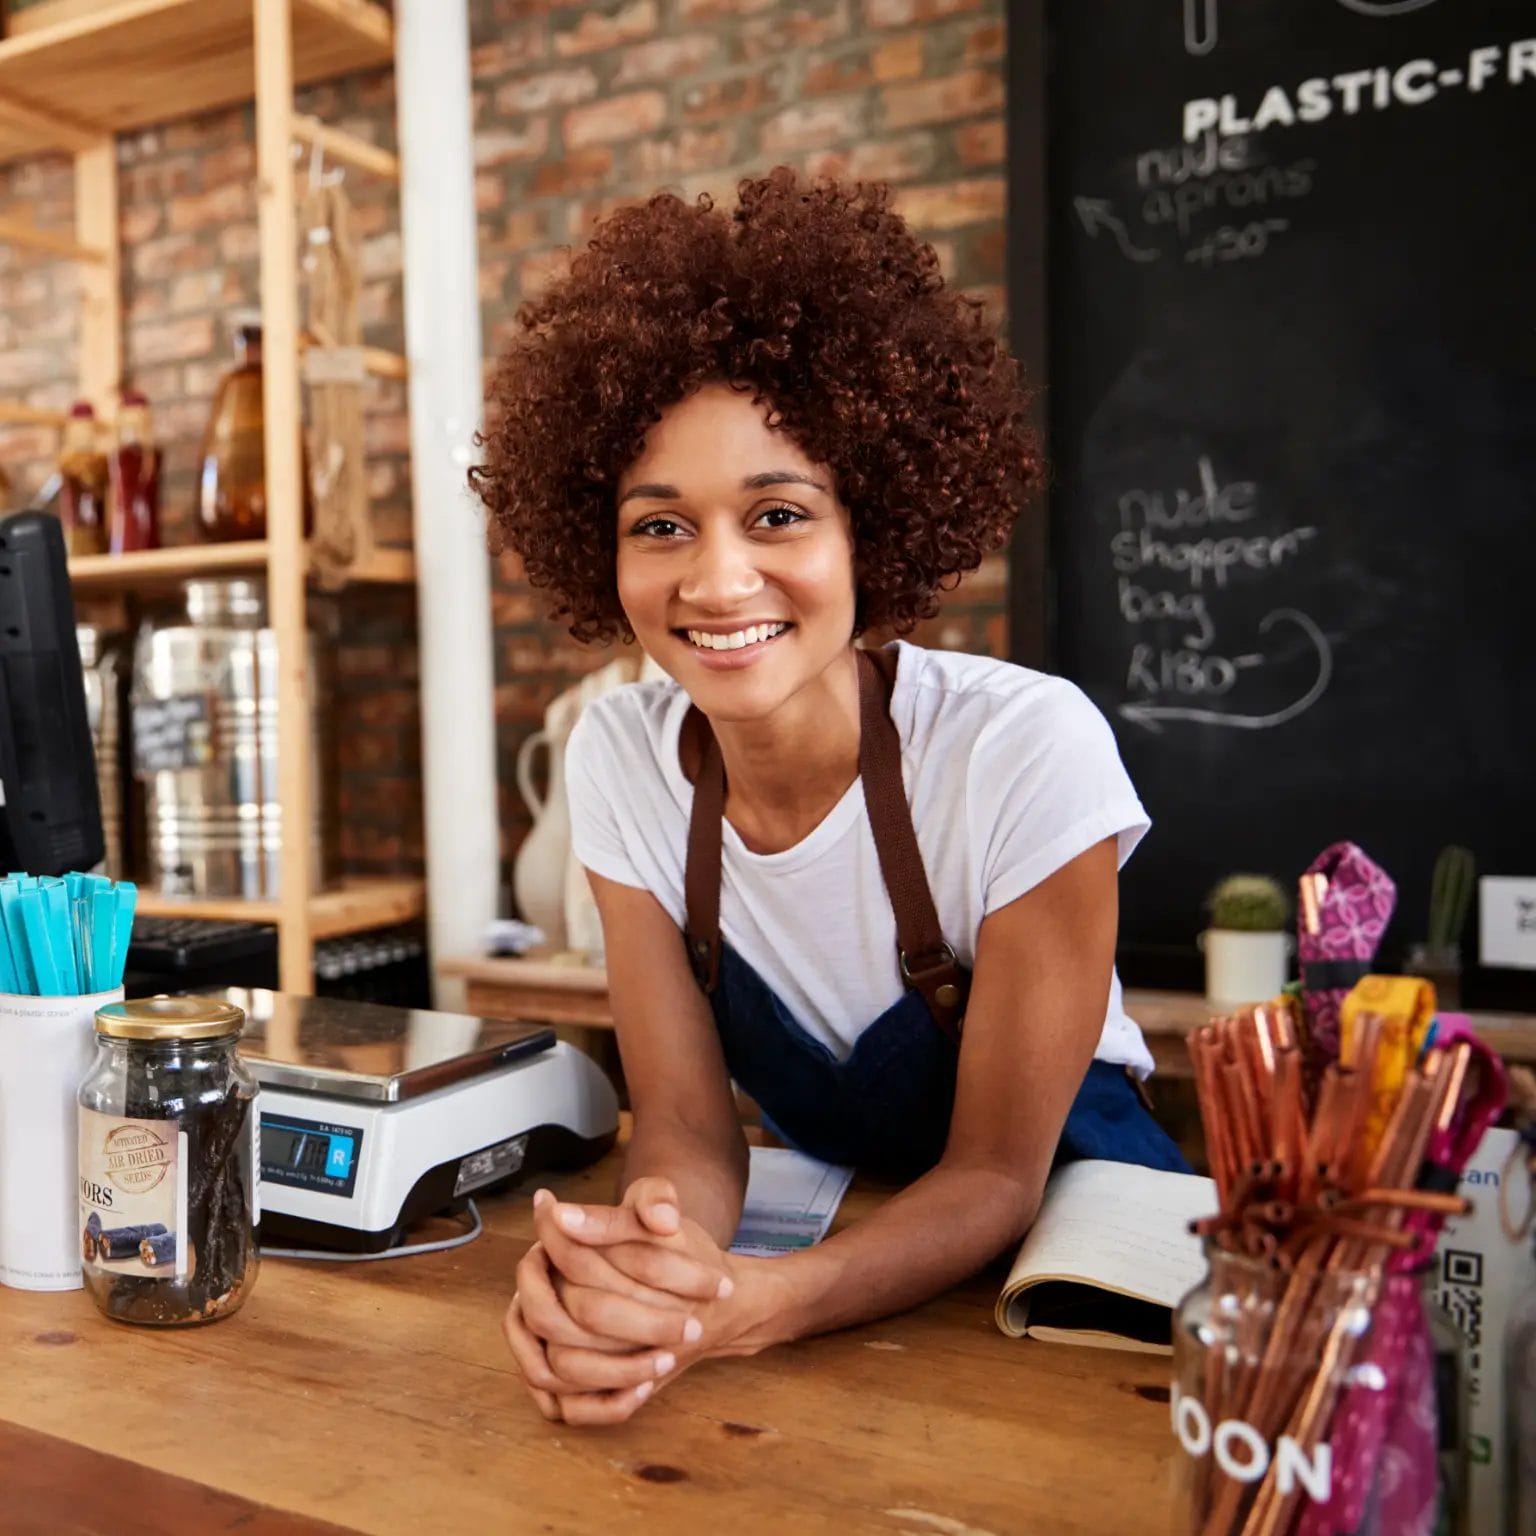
[1098, 213]
[1151, 716]
[1384, 7]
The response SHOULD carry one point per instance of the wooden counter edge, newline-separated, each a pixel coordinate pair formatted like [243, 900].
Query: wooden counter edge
[1160, 1014]
[52, 1484]
[511, 971]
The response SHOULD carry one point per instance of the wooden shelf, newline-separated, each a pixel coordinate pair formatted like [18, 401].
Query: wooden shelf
[144, 62]
[155, 568]
[361, 904]
[353, 907]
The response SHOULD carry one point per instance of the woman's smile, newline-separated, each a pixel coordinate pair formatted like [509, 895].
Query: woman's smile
[740, 646]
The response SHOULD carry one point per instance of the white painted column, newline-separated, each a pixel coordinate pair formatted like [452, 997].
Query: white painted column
[442, 337]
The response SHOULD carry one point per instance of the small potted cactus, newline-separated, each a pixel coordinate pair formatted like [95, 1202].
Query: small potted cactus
[1247, 948]
[1438, 957]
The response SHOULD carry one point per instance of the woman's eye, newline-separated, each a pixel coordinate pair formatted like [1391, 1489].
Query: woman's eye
[781, 517]
[655, 528]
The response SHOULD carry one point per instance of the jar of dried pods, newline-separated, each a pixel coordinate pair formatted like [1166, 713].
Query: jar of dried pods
[170, 1165]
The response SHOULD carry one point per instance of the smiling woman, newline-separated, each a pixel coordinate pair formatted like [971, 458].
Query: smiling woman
[742, 441]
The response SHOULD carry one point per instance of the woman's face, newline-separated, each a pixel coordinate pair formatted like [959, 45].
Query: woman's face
[735, 557]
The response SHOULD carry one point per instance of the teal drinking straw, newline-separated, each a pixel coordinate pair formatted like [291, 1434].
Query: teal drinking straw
[10, 914]
[64, 937]
[34, 921]
[103, 926]
[127, 896]
[8, 978]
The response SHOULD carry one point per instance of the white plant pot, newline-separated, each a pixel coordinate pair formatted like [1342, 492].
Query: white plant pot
[1242, 968]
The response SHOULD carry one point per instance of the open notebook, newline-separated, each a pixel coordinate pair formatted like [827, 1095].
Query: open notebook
[1108, 1258]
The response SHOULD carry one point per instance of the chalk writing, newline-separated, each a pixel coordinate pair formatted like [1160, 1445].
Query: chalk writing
[1351, 92]
[1151, 716]
[1173, 553]
[1180, 185]
[1199, 26]
[1233, 244]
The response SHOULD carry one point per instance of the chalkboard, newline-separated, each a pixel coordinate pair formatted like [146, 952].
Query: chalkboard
[1292, 286]
[172, 733]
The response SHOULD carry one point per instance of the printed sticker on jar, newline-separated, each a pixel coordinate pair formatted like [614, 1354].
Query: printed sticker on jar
[133, 1196]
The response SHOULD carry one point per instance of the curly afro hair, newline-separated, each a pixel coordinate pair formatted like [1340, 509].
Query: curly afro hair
[819, 300]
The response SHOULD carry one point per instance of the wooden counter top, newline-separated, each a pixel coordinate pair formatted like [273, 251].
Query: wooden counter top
[564, 991]
[380, 1397]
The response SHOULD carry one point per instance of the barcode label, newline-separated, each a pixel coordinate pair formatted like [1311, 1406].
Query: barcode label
[1461, 1292]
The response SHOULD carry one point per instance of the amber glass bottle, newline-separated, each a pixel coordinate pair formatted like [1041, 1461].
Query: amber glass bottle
[83, 494]
[232, 490]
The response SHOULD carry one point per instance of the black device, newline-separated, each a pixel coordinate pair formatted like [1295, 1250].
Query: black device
[192, 954]
[50, 805]
[194, 943]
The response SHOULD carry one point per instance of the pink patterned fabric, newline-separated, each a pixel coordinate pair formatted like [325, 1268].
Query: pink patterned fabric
[1383, 1433]
[1354, 914]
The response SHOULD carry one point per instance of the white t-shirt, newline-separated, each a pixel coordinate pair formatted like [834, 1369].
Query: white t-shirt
[1010, 774]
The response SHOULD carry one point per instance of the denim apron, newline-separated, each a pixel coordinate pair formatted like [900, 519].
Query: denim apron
[886, 1107]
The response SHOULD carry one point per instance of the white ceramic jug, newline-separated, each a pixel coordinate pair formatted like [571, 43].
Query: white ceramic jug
[538, 873]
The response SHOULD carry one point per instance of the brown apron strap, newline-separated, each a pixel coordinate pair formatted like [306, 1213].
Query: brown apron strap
[927, 963]
[701, 875]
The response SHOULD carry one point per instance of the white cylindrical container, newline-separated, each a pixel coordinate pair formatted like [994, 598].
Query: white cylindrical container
[1243, 967]
[46, 1047]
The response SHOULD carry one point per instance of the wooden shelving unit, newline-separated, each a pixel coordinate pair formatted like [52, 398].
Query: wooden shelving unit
[144, 62]
[152, 568]
[129, 66]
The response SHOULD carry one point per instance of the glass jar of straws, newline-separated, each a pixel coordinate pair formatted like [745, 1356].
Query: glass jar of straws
[1305, 1402]
[1311, 1395]
[169, 1163]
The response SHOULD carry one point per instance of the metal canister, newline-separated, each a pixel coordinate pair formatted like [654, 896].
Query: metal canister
[100, 661]
[205, 743]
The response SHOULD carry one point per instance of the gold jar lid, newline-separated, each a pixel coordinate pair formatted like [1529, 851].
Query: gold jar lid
[167, 1019]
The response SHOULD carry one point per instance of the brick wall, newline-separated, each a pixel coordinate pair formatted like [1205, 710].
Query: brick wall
[577, 108]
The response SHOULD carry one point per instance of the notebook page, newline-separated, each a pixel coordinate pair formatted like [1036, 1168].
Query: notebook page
[1119, 1226]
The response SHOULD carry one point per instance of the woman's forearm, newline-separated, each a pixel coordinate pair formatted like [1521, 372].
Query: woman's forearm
[709, 1174]
[932, 1235]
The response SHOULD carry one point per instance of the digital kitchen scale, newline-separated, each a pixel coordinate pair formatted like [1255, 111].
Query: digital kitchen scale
[374, 1118]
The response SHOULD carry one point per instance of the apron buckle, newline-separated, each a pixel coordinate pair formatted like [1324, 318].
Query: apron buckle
[926, 973]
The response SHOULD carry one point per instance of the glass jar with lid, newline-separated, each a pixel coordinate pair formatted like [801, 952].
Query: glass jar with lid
[1311, 1398]
[170, 1167]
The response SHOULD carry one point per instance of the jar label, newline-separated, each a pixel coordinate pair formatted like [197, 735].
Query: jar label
[133, 1196]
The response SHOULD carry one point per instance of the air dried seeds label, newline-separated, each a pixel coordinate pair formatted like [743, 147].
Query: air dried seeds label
[133, 1196]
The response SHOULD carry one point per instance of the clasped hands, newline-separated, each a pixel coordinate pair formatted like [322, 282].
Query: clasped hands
[614, 1301]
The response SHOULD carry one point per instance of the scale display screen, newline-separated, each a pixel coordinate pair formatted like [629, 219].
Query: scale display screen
[310, 1154]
